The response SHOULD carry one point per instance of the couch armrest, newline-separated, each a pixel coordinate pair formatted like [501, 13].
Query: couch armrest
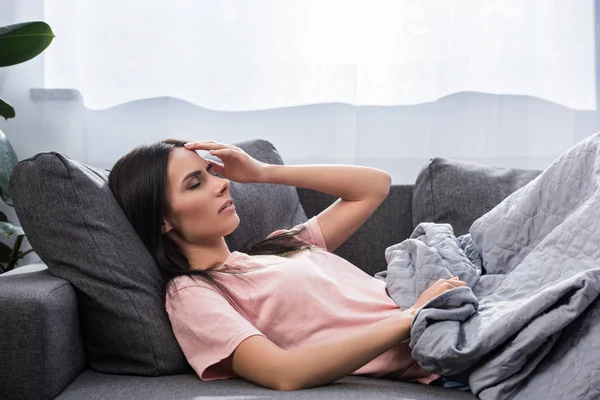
[390, 224]
[41, 349]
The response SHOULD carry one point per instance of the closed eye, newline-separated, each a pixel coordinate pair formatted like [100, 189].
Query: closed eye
[208, 169]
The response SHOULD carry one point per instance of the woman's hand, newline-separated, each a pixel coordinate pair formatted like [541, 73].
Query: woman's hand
[236, 164]
[439, 287]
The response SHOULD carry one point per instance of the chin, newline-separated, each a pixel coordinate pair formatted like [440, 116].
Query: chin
[232, 226]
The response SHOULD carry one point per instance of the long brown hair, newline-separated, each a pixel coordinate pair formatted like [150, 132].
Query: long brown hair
[139, 181]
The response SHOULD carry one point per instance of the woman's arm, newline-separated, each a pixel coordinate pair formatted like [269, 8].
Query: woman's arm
[360, 190]
[259, 360]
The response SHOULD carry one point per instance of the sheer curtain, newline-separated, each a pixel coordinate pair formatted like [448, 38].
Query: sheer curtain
[237, 55]
[385, 83]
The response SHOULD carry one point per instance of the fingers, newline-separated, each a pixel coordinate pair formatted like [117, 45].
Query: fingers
[230, 153]
[207, 145]
[218, 167]
[451, 283]
[457, 282]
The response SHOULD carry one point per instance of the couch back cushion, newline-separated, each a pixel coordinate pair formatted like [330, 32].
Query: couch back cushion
[390, 223]
[75, 225]
[457, 192]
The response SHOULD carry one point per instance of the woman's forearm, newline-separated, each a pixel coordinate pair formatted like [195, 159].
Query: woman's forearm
[349, 182]
[328, 361]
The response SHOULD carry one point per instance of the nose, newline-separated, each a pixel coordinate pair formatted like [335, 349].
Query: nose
[223, 185]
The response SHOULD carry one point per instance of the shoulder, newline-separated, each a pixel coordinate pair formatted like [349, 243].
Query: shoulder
[309, 232]
[181, 287]
[182, 282]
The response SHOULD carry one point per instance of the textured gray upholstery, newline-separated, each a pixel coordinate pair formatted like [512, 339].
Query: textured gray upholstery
[40, 342]
[94, 386]
[457, 192]
[391, 223]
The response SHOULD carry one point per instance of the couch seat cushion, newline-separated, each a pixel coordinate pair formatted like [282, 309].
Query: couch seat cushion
[92, 385]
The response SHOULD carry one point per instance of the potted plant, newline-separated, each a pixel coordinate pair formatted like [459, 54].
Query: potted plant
[18, 43]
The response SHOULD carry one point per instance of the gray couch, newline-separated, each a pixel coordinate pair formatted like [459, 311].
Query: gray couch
[42, 348]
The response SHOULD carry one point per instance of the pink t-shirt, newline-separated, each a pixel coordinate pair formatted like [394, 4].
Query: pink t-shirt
[294, 301]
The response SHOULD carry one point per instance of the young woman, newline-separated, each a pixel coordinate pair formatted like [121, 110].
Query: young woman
[286, 314]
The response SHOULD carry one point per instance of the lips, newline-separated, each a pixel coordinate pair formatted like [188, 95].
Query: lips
[227, 203]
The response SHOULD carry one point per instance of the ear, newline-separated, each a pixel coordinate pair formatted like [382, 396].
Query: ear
[166, 227]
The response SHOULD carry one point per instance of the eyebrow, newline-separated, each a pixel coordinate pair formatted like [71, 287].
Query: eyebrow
[196, 173]
[192, 174]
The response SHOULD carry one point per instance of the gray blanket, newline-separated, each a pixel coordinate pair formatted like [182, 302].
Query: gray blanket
[527, 326]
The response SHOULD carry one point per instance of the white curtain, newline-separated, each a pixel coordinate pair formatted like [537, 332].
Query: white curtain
[234, 55]
[387, 84]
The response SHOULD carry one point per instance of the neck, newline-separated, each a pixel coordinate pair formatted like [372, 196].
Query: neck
[205, 255]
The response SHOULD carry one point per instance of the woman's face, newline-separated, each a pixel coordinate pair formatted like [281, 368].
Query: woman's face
[194, 197]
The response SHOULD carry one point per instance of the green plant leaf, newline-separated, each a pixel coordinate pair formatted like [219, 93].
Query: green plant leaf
[9, 229]
[22, 42]
[8, 160]
[6, 110]
[5, 252]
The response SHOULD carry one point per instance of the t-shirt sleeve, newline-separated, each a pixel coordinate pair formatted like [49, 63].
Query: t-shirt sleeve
[208, 329]
[311, 235]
